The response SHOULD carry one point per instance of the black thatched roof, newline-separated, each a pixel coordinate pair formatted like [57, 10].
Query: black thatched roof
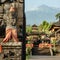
[33, 33]
[51, 26]
[43, 33]
[38, 33]
[56, 24]
[34, 25]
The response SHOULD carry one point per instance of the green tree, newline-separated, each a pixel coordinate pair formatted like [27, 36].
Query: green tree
[29, 29]
[57, 16]
[44, 27]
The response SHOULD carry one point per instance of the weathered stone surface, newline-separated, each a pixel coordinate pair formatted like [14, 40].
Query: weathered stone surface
[20, 11]
[20, 21]
[12, 44]
[20, 0]
[4, 7]
[1, 9]
[2, 1]
[11, 50]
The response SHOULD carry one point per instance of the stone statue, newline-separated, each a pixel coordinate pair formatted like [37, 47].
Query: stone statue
[10, 17]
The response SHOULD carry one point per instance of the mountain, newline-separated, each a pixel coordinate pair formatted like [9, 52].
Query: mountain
[40, 14]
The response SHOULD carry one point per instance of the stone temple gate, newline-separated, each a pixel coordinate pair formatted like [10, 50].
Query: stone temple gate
[11, 50]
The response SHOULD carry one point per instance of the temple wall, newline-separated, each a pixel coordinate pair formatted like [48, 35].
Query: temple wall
[12, 50]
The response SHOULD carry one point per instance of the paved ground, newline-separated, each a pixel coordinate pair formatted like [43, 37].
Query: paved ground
[44, 58]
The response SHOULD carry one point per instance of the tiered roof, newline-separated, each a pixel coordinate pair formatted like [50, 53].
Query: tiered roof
[55, 24]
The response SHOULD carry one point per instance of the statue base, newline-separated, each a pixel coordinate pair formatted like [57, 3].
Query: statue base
[11, 51]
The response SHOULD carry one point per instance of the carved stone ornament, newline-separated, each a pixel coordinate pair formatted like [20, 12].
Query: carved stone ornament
[2, 1]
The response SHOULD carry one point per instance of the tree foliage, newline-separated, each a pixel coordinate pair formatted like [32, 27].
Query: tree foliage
[44, 27]
[57, 15]
[29, 29]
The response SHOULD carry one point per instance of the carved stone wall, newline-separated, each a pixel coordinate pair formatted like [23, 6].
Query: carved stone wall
[20, 16]
[11, 51]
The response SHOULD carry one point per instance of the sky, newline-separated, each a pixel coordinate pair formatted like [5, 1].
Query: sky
[33, 4]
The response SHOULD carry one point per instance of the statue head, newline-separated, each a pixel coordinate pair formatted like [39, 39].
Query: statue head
[12, 9]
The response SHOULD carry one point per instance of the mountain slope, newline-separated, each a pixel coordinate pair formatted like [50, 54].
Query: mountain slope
[42, 13]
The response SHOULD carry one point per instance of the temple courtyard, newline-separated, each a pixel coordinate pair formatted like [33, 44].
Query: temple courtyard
[44, 58]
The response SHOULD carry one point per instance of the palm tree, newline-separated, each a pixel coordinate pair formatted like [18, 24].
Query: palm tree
[44, 26]
[57, 16]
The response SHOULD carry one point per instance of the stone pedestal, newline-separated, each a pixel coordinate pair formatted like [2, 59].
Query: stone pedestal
[11, 51]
